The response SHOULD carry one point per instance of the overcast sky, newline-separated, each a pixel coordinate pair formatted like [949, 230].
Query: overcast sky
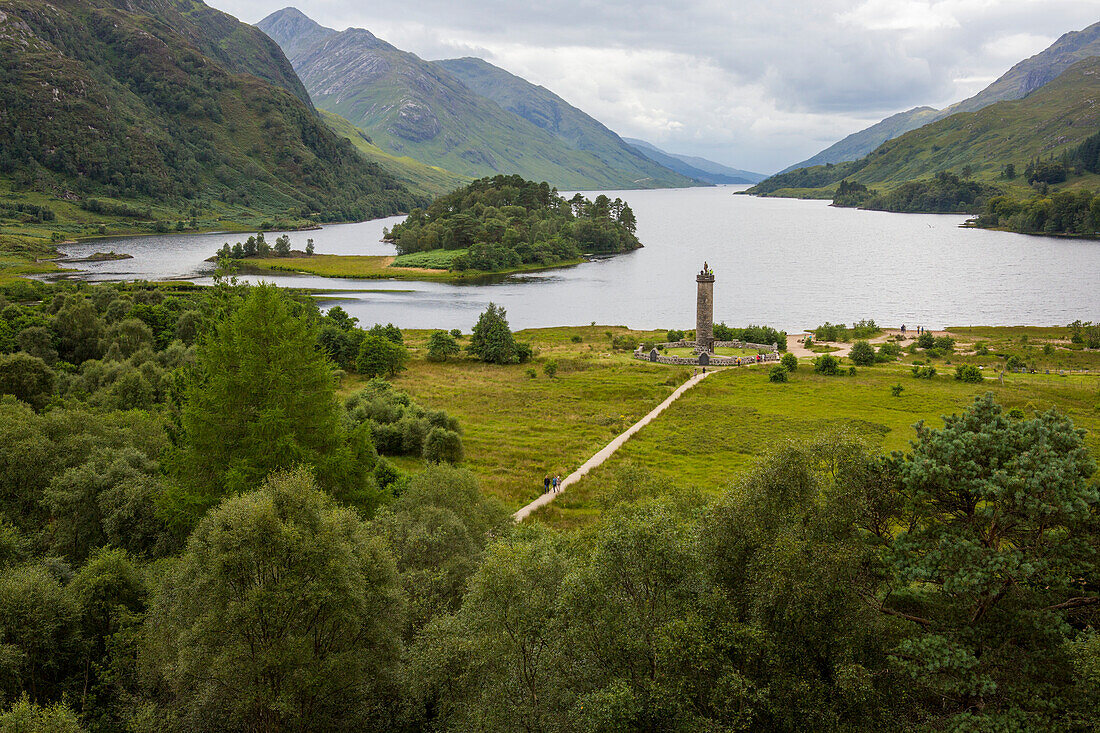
[757, 85]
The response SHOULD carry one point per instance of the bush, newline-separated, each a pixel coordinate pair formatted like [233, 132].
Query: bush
[789, 362]
[443, 446]
[926, 340]
[456, 333]
[827, 364]
[492, 340]
[968, 373]
[851, 371]
[576, 338]
[889, 351]
[551, 368]
[441, 346]
[924, 372]
[896, 390]
[378, 356]
[531, 373]
[778, 373]
[944, 343]
[980, 349]
[862, 353]
[674, 335]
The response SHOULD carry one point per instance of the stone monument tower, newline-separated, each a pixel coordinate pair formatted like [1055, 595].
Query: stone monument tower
[704, 311]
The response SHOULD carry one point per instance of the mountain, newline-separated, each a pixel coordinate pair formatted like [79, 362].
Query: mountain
[1032, 73]
[294, 31]
[414, 175]
[411, 107]
[546, 110]
[1048, 122]
[1019, 81]
[169, 101]
[691, 166]
[860, 143]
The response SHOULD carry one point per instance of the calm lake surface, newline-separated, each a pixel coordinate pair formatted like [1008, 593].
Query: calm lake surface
[787, 263]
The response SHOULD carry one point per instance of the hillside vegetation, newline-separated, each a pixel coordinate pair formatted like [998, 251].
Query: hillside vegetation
[415, 108]
[148, 116]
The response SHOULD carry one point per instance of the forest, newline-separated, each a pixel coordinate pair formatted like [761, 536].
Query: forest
[505, 221]
[198, 535]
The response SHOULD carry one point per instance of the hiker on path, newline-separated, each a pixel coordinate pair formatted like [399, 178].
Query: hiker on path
[554, 485]
[557, 483]
[546, 484]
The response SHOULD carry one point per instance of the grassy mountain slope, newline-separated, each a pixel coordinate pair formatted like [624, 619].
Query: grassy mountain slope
[414, 108]
[416, 176]
[1049, 121]
[117, 102]
[1016, 83]
[550, 112]
[700, 169]
[1036, 71]
[860, 143]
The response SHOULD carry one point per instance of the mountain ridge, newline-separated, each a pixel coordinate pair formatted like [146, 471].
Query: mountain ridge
[695, 167]
[415, 108]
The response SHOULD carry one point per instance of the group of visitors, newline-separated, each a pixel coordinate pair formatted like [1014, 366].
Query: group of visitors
[920, 330]
[551, 484]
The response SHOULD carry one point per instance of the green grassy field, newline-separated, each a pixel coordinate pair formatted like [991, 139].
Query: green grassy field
[517, 428]
[382, 267]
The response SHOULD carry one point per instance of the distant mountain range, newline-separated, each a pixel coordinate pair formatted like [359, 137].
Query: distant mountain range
[1019, 81]
[463, 115]
[695, 167]
[160, 101]
[1050, 120]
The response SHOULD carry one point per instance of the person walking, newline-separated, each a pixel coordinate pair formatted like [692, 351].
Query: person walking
[903, 330]
[554, 485]
[557, 483]
[546, 484]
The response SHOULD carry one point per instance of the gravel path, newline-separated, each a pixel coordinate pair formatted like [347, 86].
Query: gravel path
[611, 447]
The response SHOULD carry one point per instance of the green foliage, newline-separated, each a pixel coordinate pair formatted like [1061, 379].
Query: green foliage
[862, 353]
[945, 193]
[550, 368]
[778, 373]
[380, 357]
[1062, 212]
[896, 390]
[24, 716]
[851, 194]
[27, 378]
[282, 612]
[491, 340]
[968, 373]
[789, 362]
[888, 351]
[263, 399]
[400, 426]
[827, 364]
[675, 335]
[442, 346]
[923, 372]
[752, 334]
[504, 222]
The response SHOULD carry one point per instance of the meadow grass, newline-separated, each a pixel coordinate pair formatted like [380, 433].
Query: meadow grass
[518, 429]
[383, 267]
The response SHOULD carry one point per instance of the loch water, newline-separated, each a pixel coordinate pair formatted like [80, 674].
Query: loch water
[788, 263]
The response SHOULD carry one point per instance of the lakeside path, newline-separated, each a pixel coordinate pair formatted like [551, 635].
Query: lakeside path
[608, 450]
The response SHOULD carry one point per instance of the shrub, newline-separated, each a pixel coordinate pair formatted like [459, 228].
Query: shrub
[830, 332]
[622, 342]
[926, 340]
[827, 364]
[551, 368]
[674, 335]
[924, 372]
[778, 373]
[531, 374]
[492, 340]
[457, 333]
[944, 343]
[378, 357]
[789, 362]
[981, 349]
[441, 346]
[896, 390]
[968, 373]
[1016, 413]
[576, 338]
[443, 446]
[27, 377]
[862, 353]
[851, 371]
[888, 351]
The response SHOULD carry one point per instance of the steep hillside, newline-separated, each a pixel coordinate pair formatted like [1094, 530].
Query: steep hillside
[860, 143]
[1048, 122]
[157, 103]
[1032, 73]
[1016, 83]
[416, 176]
[550, 112]
[411, 107]
[692, 166]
